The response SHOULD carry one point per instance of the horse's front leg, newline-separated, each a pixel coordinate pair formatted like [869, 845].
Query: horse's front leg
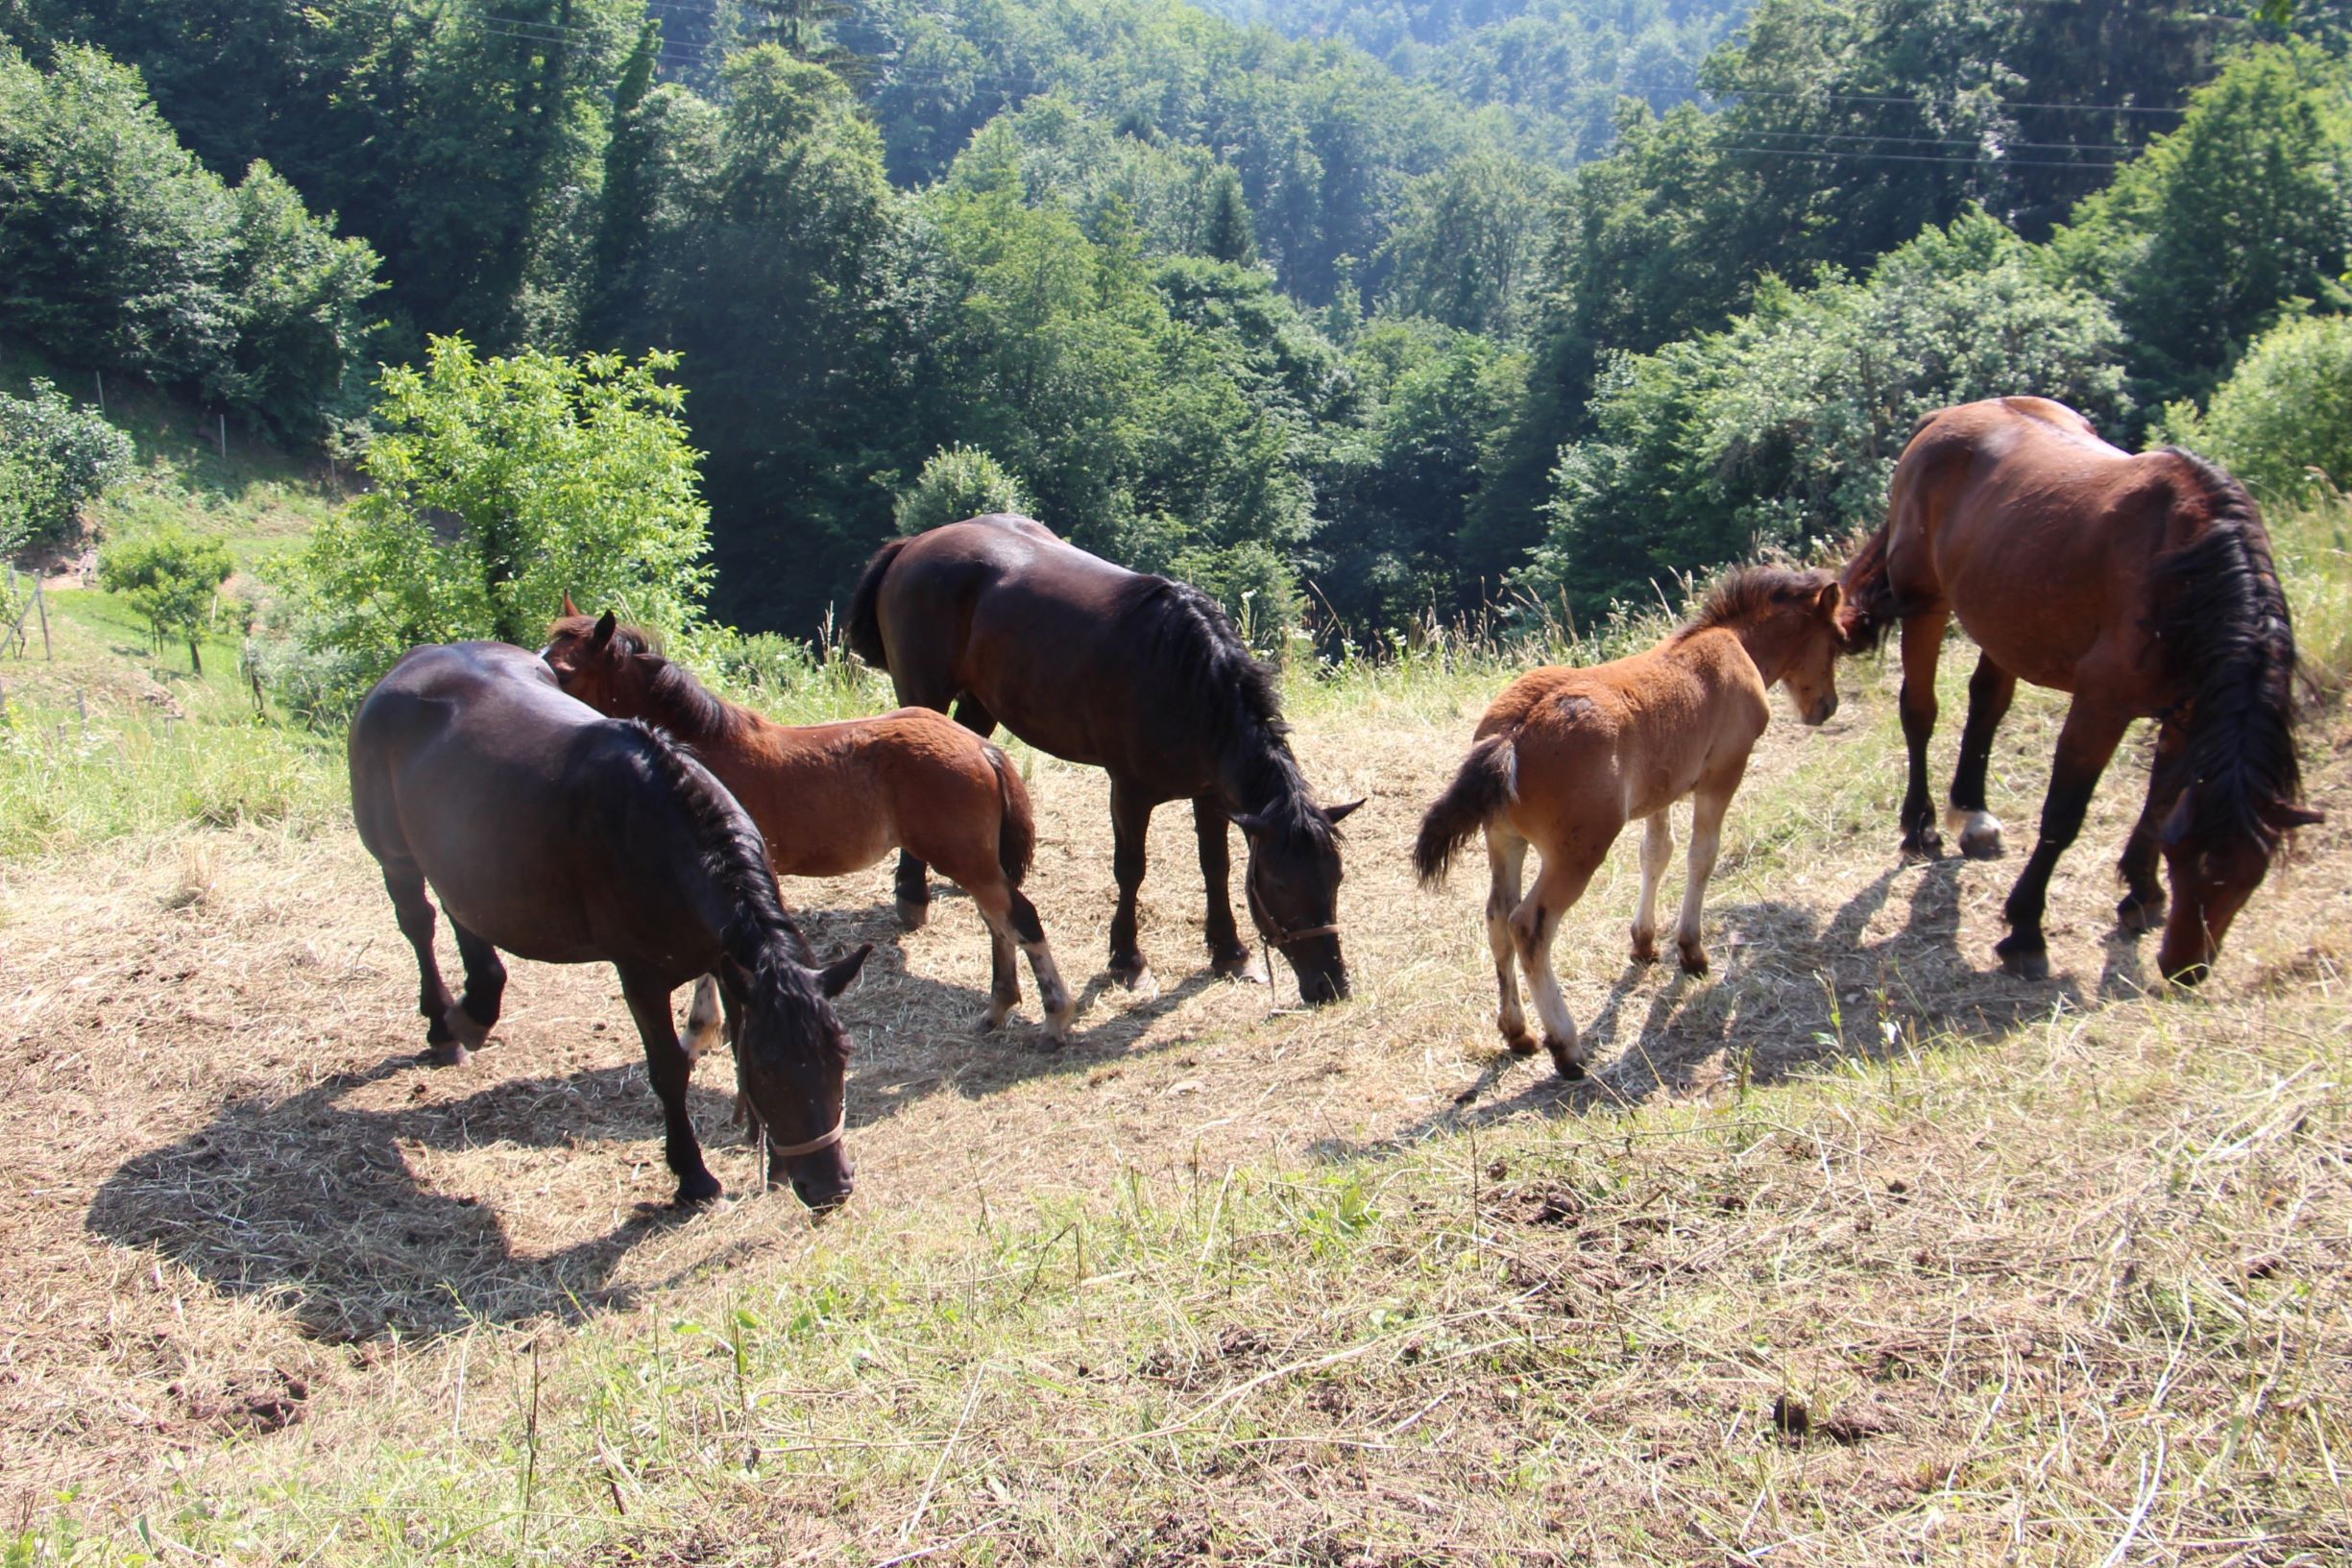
[666, 1065]
[1229, 953]
[1708, 804]
[1506, 856]
[1657, 849]
[2142, 907]
[2085, 743]
[1922, 640]
[1131, 825]
[1990, 692]
[1532, 927]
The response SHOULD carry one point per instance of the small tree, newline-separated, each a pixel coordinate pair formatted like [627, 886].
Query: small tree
[499, 486]
[2283, 412]
[958, 482]
[170, 577]
[55, 459]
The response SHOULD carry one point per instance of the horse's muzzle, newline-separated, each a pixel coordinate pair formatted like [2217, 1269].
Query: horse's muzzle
[1823, 711]
[1317, 987]
[824, 1199]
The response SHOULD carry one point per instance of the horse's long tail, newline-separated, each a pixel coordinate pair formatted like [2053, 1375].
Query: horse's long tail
[1484, 786]
[1016, 831]
[864, 618]
[1870, 604]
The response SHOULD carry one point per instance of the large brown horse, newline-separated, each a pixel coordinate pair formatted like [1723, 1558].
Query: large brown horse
[2142, 585]
[561, 835]
[1565, 757]
[1135, 674]
[831, 799]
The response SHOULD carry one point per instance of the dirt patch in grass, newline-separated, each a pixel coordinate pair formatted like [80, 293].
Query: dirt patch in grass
[1491, 1313]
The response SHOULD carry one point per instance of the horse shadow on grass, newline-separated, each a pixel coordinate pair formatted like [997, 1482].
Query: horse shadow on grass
[1791, 993]
[310, 1203]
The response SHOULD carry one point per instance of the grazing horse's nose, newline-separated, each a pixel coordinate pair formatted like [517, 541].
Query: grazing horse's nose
[822, 1198]
[1322, 985]
[1824, 710]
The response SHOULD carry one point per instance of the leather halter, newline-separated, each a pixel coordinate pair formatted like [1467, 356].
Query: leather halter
[1272, 928]
[821, 1140]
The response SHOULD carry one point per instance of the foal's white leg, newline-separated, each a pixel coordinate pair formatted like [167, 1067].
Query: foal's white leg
[1506, 856]
[1657, 849]
[1706, 808]
[1532, 926]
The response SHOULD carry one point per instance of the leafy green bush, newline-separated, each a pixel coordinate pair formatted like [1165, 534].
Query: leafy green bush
[2285, 411]
[55, 459]
[958, 482]
[499, 486]
[117, 248]
[1786, 424]
[170, 577]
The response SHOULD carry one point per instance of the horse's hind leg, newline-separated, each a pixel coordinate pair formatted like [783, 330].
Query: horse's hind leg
[666, 1064]
[1532, 927]
[1923, 639]
[1012, 921]
[1990, 692]
[1229, 953]
[477, 1011]
[414, 910]
[2085, 743]
[2142, 907]
[1506, 856]
[1130, 824]
[1657, 851]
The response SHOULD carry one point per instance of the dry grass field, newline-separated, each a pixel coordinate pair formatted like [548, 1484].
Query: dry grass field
[1854, 1253]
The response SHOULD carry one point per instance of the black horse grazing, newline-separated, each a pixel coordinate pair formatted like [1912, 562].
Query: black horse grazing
[1138, 675]
[565, 837]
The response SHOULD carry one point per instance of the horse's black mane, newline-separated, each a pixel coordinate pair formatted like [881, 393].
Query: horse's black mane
[759, 934]
[1751, 590]
[2223, 626]
[1208, 682]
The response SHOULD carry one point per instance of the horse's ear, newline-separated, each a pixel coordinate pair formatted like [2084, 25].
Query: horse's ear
[1340, 814]
[1826, 603]
[1249, 822]
[2180, 819]
[569, 608]
[834, 978]
[603, 634]
[2287, 817]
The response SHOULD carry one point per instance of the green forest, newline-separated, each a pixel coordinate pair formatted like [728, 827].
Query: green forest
[1364, 316]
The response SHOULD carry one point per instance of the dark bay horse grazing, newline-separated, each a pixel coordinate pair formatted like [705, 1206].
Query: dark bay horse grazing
[568, 837]
[831, 799]
[1565, 757]
[2143, 586]
[1135, 674]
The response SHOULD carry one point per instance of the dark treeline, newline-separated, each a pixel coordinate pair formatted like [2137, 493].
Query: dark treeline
[1421, 306]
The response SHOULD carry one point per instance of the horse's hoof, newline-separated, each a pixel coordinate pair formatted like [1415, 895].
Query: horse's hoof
[1694, 959]
[1235, 966]
[1136, 977]
[445, 1053]
[1564, 1058]
[695, 1192]
[1645, 947]
[1927, 844]
[2136, 916]
[471, 1035]
[1979, 833]
[2026, 961]
[913, 914]
[1517, 1040]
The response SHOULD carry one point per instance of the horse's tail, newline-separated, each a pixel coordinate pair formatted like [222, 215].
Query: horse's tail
[1870, 602]
[1484, 786]
[1016, 830]
[864, 618]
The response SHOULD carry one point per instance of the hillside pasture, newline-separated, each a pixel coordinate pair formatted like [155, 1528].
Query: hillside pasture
[1854, 1251]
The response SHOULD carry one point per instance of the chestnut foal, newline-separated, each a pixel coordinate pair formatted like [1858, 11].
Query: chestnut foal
[1565, 757]
[835, 798]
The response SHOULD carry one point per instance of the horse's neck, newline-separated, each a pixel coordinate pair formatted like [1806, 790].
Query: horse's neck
[1258, 770]
[689, 710]
[1766, 646]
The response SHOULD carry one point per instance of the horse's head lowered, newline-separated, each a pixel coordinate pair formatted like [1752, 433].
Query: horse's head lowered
[1789, 623]
[1293, 886]
[790, 1054]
